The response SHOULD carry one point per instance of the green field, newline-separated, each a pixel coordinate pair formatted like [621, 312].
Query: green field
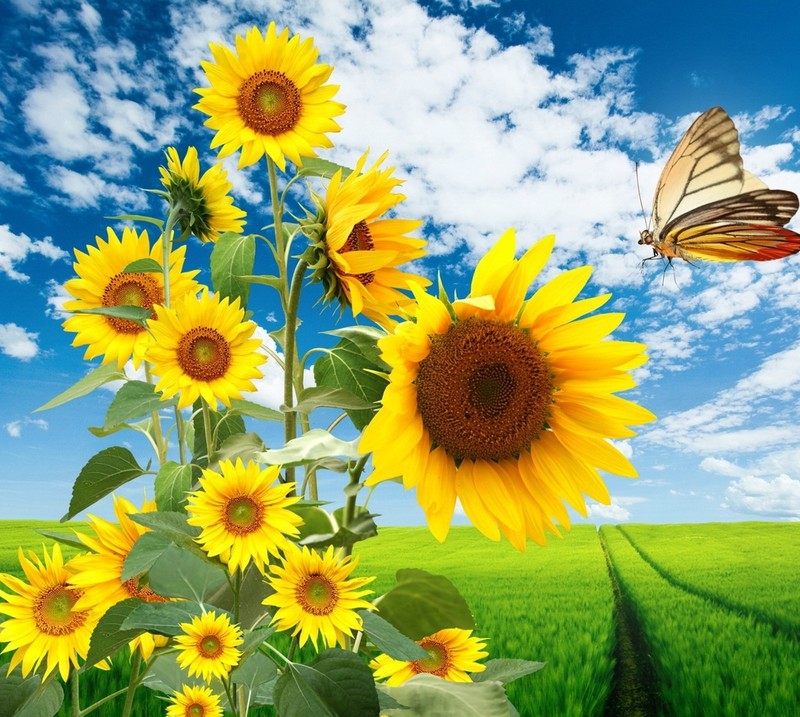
[713, 611]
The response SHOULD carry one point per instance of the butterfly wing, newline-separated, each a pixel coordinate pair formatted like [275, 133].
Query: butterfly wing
[747, 226]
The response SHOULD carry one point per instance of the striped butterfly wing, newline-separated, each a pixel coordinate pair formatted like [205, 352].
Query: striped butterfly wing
[707, 206]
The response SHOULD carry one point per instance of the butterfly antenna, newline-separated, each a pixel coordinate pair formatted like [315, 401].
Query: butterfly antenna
[641, 203]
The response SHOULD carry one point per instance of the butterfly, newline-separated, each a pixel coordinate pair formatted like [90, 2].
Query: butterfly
[708, 206]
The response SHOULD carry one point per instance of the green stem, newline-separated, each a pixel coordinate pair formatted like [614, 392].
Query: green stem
[102, 701]
[290, 354]
[207, 428]
[280, 243]
[75, 697]
[132, 683]
[181, 426]
[350, 502]
[166, 246]
[226, 683]
[158, 434]
[237, 588]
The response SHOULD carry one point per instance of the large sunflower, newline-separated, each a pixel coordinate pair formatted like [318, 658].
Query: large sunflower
[269, 97]
[102, 282]
[209, 646]
[358, 253]
[203, 347]
[42, 620]
[98, 575]
[194, 702]
[506, 403]
[206, 207]
[242, 515]
[452, 654]
[315, 595]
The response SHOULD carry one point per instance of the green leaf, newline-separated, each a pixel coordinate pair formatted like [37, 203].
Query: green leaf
[259, 675]
[145, 266]
[506, 670]
[70, 540]
[241, 445]
[387, 638]
[422, 604]
[335, 684]
[273, 281]
[311, 446]
[134, 400]
[347, 366]
[317, 396]
[425, 695]
[255, 410]
[171, 523]
[102, 374]
[104, 472]
[366, 339]
[316, 521]
[27, 698]
[232, 258]
[162, 617]
[360, 528]
[224, 424]
[179, 573]
[108, 636]
[252, 592]
[317, 167]
[130, 313]
[145, 551]
[172, 483]
[139, 218]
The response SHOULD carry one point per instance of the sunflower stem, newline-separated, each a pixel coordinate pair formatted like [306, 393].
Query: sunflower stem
[158, 435]
[237, 589]
[290, 354]
[280, 244]
[180, 424]
[350, 502]
[132, 684]
[74, 692]
[166, 247]
[231, 700]
[208, 432]
[101, 702]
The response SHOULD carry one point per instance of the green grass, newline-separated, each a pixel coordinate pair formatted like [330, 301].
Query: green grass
[709, 660]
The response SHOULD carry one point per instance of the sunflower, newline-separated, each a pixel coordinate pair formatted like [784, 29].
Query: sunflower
[203, 347]
[358, 253]
[206, 208]
[315, 597]
[243, 516]
[506, 403]
[98, 575]
[452, 654]
[102, 282]
[42, 620]
[269, 97]
[209, 645]
[194, 702]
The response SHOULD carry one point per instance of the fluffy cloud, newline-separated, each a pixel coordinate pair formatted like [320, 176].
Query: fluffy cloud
[14, 428]
[16, 248]
[18, 343]
[776, 498]
[617, 511]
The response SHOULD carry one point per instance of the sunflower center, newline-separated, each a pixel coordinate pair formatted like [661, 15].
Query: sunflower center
[204, 354]
[484, 390]
[52, 611]
[142, 591]
[360, 239]
[210, 647]
[195, 710]
[134, 289]
[269, 103]
[438, 661]
[242, 515]
[317, 595]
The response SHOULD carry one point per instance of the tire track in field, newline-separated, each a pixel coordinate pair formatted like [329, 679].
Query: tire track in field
[778, 628]
[634, 692]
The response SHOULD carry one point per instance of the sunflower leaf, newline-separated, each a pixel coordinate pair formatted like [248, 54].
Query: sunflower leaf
[102, 374]
[365, 338]
[259, 674]
[137, 314]
[145, 266]
[28, 697]
[318, 396]
[311, 446]
[179, 573]
[172, 483]
[109, 637]
[317, 167]
[232, 258]
[139, 218]
[105, 472]
[70, 540]
[506, 670]
[387, 638]
[134, 400]
[254, 410]
[422, 604]
[425, 695]
[162, 617]
[145, 551]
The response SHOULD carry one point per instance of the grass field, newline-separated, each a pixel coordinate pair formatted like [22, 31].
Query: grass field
[714, 606]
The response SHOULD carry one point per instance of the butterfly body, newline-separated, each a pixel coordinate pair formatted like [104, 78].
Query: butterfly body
[708, 207]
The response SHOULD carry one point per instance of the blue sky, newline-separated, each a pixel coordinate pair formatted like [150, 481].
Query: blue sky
[497, 114]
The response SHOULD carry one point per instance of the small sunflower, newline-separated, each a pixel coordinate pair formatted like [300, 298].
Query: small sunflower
[314, 596]
[506, 403]
[102, 282]
[452, 654]
[206, 207]
[42, 621]
[203, 347]
[358, 253]
[98, 575]
[209, 646]
[243, 516]
[269, 97]
[194, 702]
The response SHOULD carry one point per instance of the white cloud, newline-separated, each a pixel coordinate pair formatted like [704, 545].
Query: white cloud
[12, 181]
[56, 296]
[776, 498]
[18, 343]
[14, 428]
[617, 511]
[16, 248]
[87, 189]
[89, 17]
[269, 389]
